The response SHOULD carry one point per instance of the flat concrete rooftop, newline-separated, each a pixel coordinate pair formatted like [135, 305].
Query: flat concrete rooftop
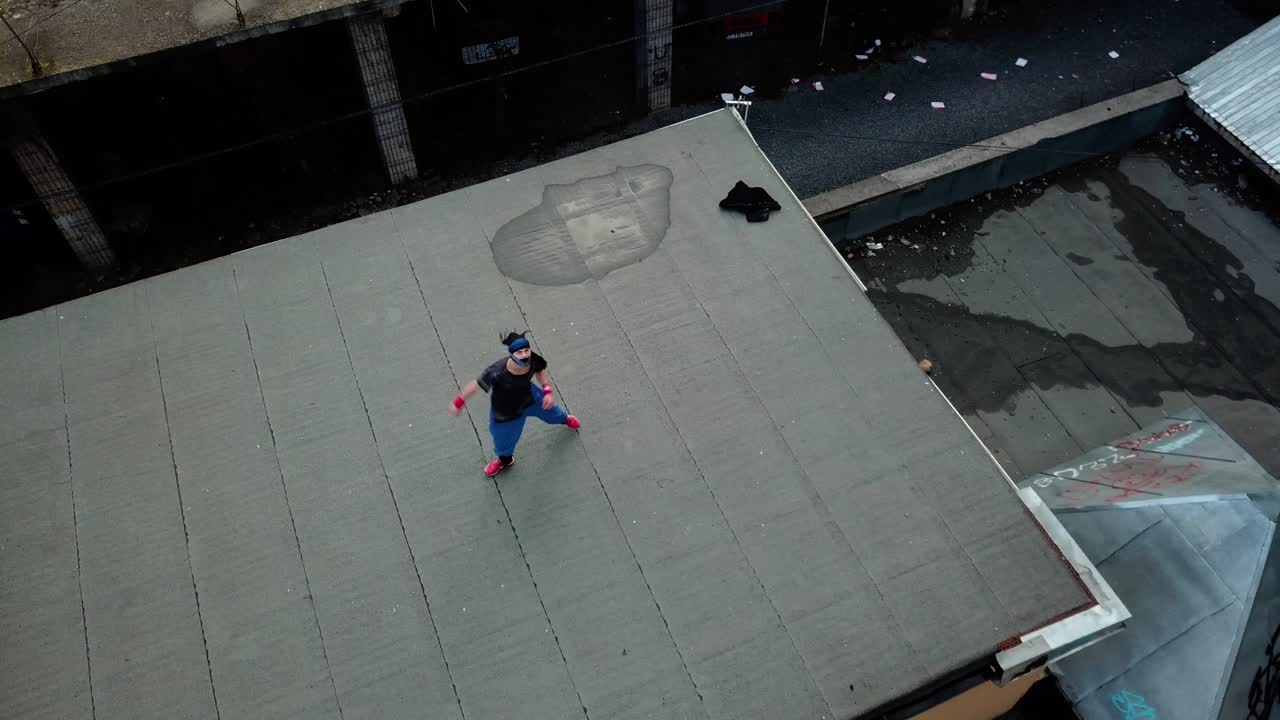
[234, 489]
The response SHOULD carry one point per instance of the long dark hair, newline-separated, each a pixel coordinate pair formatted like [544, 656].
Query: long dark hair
[510, 337]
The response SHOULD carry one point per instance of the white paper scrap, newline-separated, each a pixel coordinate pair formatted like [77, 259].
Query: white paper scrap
[989, 76]
[1022, 62]
[889, 96]
[746, 89]
[861, 57]
[919, 59]
[937, 105]
[1114, 54]
[817, 85]
[727, 97]
[877, 42]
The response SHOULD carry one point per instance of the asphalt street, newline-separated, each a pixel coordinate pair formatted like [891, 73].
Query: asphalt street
[1066, 48]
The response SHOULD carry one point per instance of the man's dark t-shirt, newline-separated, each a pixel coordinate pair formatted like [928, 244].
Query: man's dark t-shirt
[510, 394]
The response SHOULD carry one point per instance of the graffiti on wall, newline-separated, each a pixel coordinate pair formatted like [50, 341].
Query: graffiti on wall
[1133, 706]
[1142, 467]
[1073, 473]
[1134, 478]
[1168, 432]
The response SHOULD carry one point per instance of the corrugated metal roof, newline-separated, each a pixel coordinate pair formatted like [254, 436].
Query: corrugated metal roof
[1239, 90]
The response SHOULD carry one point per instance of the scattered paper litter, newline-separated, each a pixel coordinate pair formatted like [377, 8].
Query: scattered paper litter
[817, 85]
[875, 246]
[919, 59]
[861, 57]
[869, 50]
[1114, 54]
[1022, 62]
[795, 80]
[746, 89]
[889, 96]
[937, 105]
[989, 76]
[727, 97]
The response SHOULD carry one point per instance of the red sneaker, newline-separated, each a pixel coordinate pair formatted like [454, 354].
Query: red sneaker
[573, 422]
[497, 466]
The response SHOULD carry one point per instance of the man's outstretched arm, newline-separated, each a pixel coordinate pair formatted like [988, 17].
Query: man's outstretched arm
[468, 390]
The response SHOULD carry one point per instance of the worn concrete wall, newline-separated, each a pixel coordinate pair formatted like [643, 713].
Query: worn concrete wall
[983, 702]
[854, 210]
[78, 40]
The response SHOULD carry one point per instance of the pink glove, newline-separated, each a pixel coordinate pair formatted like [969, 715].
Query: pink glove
[455, 408]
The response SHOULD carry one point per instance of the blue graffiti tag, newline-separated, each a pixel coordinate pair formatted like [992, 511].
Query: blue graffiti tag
[1133, 706]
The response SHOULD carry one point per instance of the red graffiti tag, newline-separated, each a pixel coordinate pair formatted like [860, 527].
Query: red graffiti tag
[1159, 435]
[1131, 479]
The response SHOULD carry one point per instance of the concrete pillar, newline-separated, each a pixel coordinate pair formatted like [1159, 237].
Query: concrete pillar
[382, 90]
[653, 66]
[58, 195]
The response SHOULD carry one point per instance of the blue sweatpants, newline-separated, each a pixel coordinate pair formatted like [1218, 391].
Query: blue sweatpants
[507, 434]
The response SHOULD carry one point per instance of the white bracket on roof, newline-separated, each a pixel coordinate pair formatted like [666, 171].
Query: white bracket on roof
[1074, 632]
[742, 107]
